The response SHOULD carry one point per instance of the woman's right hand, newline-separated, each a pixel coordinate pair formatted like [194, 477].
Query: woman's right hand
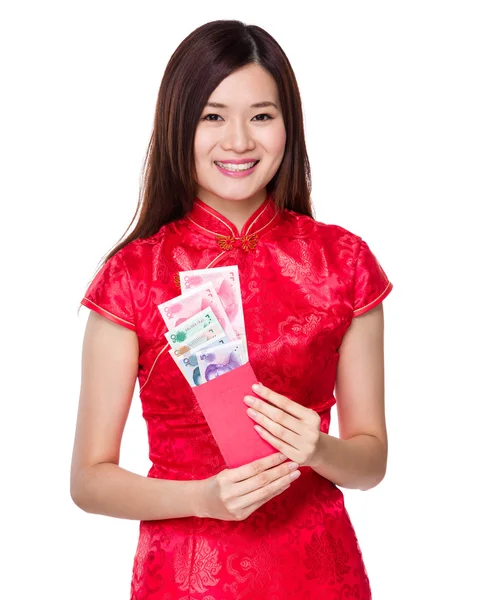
[233, 494]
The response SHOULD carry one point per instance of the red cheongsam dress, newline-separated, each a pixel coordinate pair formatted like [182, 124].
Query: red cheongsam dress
[302, 283]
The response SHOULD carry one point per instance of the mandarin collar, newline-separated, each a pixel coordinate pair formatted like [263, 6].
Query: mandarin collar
[205, 218]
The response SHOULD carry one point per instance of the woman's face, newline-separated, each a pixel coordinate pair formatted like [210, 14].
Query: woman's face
[242, 132]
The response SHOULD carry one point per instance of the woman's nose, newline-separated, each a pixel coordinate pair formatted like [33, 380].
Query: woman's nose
[237, 136]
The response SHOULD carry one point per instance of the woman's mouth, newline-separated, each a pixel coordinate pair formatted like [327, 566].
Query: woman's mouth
[233, 170]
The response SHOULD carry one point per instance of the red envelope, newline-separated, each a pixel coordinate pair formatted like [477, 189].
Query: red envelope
[221, 401]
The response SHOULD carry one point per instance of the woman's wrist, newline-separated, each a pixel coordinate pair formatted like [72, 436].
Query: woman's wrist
[180, 498]
[199, 498]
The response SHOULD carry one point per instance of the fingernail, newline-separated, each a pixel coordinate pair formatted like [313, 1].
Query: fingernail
[294, 475]
[248, 400]
[282, 456]
[292, 466]
[256, 387]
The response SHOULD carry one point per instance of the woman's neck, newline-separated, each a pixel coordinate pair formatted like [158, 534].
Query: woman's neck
[236, 211]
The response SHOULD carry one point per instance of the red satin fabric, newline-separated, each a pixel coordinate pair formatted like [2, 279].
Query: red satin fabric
[302, 283]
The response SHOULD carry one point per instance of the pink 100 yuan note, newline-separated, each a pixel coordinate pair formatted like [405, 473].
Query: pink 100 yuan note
[177, 310]
[227, 285]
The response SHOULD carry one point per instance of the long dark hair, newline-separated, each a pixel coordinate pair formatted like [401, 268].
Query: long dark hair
[199, 64]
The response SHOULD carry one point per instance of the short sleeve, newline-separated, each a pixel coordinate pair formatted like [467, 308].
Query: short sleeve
[109, 293]
[371, 284]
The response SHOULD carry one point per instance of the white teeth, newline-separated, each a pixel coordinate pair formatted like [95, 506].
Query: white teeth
[232, 167]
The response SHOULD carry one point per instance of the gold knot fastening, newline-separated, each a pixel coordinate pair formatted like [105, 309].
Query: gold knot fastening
[228, 242]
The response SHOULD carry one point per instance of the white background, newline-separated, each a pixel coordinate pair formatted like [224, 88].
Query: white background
[392, 96]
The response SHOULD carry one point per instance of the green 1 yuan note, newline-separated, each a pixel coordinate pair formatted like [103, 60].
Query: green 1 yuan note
[202, 321]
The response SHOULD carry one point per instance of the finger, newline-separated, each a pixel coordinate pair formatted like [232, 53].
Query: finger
[280, 445]
[279, 431]
[276, 414]
[257, 466]
[253, 507]
[287, 405]
[265, 493]
[276, 474]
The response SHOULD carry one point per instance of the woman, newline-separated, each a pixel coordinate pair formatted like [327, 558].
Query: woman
[273, 528]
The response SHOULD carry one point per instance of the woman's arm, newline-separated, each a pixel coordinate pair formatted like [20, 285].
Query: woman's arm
[107, 489]
[358, 457]
[98, 484]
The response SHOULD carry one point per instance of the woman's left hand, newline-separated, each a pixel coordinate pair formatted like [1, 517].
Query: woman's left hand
[290, 427]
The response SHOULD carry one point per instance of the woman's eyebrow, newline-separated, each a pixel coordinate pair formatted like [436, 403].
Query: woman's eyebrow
[256, 105]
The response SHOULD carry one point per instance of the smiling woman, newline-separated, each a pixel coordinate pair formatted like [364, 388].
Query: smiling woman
[227, 183]
[239, 144]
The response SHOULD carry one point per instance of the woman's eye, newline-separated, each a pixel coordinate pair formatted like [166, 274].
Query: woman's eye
[210, 115]
[207, 117]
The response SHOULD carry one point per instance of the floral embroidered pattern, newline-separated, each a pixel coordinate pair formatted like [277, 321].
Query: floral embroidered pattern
[254, 571]
[148, 564]
[195, 566]
[326, 559]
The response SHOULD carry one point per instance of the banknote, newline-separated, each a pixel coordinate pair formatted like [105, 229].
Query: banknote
[188, 363]
[198, 340]
[218, 360]
[226, 281]
[179, 309]
[196, 324]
